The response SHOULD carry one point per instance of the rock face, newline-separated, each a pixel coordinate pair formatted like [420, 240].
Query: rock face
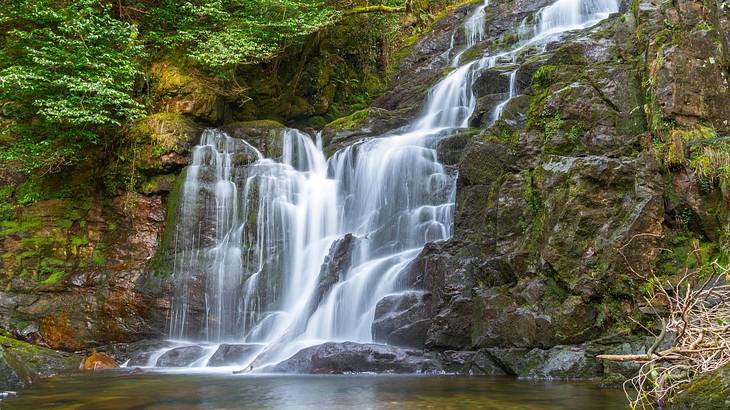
[99, 290]
[348, 357]
[560, 208]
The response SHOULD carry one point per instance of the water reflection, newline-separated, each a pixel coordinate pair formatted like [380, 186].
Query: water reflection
[222, 392]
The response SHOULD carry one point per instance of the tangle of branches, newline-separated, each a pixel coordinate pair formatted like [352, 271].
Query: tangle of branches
[697, 322]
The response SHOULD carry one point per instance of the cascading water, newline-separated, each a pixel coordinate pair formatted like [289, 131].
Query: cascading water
[474, 30]
[253, 232]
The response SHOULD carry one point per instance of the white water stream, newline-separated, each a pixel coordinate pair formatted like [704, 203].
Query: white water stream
[253, 232]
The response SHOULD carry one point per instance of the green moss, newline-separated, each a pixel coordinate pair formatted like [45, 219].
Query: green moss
[351, 121]
[97, 258]
[162, 262]
[53, 278]
[78, 240]
[261, 124]
[710, 391]
[544, 77]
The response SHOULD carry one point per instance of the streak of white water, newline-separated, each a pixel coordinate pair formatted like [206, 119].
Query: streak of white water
[552, 21]
[512, 93]
[474, 30]
[253, 232]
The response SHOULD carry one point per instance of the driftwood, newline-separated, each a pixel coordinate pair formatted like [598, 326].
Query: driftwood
[699, 317]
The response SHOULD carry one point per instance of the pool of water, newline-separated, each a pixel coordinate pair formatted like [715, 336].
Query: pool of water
[152, 390]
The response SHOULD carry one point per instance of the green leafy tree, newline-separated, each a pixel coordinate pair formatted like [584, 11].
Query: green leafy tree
[222, 33]
[67, 72]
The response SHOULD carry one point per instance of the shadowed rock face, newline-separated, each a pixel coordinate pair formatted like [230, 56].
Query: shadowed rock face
[348, 357]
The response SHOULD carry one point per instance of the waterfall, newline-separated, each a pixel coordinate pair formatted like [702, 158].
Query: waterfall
[253, 233]
[474, 31]
[550, 22]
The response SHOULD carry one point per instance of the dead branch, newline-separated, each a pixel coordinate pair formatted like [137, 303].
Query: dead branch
[699, 319]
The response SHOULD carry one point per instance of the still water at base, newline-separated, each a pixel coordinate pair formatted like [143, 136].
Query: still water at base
[116, 390]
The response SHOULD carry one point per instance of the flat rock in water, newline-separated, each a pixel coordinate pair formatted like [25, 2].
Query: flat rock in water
[349, 357]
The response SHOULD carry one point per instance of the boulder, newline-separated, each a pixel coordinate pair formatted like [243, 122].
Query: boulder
[402, 320]
[349, 357]
[98, 361]
[135, 353]
[181, 356]
[710, 391]
[233, 354]
[559, 362]
[479, 363]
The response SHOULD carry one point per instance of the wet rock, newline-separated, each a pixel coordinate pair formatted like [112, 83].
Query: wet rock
[478, 363]
[233, 354]
[402, 320]
[371, 122]
[181, 356]
[98, 361]
[264, 135]
[135, 353]
[335, 266]
[493, 81]
[559, 362]
[349, 357]
[451, 148]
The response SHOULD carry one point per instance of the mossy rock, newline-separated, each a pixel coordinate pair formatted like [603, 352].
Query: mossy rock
[23, 363]
[183, 92]
[264, 135]
[161, 142]
[351, 121]
[709, 392]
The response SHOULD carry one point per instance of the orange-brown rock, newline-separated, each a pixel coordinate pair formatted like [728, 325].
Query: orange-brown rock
[98, 361]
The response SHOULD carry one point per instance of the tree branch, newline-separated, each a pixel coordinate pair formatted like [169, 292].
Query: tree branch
[375, 9]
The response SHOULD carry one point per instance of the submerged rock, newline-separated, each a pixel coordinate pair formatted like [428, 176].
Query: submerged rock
[349, 357]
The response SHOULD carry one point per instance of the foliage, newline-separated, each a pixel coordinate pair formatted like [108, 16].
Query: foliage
[67, 74]
[224, 33]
